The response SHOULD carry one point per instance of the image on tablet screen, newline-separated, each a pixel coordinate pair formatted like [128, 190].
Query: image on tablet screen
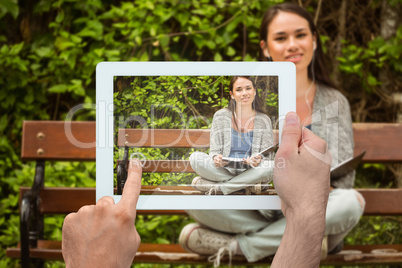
[159, 118]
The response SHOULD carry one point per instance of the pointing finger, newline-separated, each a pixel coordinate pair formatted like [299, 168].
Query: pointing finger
[132, 187]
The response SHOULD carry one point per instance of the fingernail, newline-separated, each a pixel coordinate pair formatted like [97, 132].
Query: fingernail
[135, 163]
[292, 119]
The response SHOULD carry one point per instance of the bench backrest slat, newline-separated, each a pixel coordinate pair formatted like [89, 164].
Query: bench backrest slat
[382, 141]
[48, 140]
[164, 138]
[382, 201]
[52, 140]
[167, 166]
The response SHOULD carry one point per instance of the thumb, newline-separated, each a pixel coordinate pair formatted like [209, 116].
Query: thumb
[316, 146]
[291, 135]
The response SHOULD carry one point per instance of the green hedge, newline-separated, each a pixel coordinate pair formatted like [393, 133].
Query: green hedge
[49, 50]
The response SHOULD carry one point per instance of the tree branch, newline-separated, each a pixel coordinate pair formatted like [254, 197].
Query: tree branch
[317, 12]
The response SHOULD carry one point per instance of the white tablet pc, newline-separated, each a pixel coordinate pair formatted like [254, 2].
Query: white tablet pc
[128, 91]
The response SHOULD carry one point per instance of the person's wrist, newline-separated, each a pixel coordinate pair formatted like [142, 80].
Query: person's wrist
[303, 236]
[300, 218]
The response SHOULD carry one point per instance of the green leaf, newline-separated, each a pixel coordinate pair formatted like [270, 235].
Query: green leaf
[233, 24]
[3, 122]
[343, 60]
[63, 43]
[88, 32]
[152, 31]
[183, 18]
[372, 81]
[3, 94]
[138, 40]
[210, 44]
[161, 240]
[15, 49]
[58, 88]
[217, 57]
[9, 6]
[152, 225]
[164, 40]
[231, 51]
[44, 52]
[199, 41]
[144, 57]
[120, 25]
[150, 5]
[76, 87]
[60, 16]
[383, 48]
[29, 97]
[96, 25]
[4, 49]
[93, 29]
[76, 39]
[357, 67]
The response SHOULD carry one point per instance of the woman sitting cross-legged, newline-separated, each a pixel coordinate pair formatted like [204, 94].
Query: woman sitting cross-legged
[240, 131]
[288, 33]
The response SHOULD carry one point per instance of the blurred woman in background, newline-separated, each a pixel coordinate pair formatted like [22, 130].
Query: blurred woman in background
[287, 33]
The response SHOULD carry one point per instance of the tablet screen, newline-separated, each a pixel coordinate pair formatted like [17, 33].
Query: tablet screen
[163, 118]
[158, 103]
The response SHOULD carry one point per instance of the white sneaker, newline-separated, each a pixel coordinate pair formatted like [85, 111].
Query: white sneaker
[324, 248]
[256, 189]
[204, 185]
[201, 240]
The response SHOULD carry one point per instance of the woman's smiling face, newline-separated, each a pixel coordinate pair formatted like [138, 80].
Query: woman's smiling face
[290, 39]
[243, 91]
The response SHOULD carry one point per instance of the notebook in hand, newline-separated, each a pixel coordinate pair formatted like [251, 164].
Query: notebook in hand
[233, 161]
[346, 166]
[271, 149]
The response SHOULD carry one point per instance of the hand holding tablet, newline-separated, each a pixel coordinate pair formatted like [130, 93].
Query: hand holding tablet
[103, 235]
[303, 187]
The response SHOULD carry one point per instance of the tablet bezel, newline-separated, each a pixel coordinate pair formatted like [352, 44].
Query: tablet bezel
[106, 71]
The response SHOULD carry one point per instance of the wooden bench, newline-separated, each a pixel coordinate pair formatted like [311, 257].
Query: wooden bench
[46, 141]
